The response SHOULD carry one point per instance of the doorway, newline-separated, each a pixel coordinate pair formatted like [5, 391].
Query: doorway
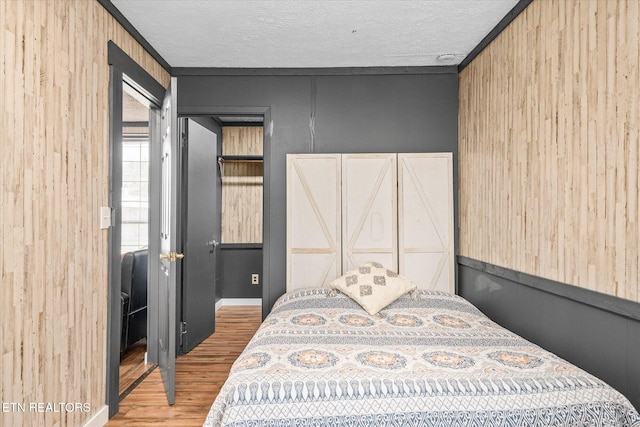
[245, 116]
[134, 239]
[222, 197]
[241, 168]
[163, 326]
[135, 99]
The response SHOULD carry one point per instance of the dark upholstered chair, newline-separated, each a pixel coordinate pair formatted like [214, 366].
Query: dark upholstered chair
[133, 297]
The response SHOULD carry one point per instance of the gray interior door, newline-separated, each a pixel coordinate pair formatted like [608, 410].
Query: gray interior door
[201, 230]
[169, 238]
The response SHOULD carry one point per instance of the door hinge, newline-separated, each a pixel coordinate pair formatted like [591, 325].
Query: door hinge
[181, 335]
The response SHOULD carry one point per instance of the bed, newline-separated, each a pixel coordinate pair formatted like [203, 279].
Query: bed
[427, 359]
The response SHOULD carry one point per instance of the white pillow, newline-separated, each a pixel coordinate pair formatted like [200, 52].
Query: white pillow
[373, 286]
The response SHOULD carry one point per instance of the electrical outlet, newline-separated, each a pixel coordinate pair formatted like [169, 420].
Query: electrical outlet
[255, 279]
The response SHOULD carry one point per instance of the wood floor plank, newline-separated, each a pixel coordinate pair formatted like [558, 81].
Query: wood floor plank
[199, 376]
[132, 365]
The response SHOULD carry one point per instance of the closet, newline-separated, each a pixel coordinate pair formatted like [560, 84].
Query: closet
[241, 171]
[347, 209]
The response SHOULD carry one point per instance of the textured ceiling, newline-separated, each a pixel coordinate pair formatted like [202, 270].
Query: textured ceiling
[313, 33]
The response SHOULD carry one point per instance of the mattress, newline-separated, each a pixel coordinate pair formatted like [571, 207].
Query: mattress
[430, 360]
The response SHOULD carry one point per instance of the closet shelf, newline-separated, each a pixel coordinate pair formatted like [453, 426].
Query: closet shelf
[236, 159]
[240, 159]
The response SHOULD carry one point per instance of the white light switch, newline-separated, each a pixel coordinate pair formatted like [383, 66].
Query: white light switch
[105, 217]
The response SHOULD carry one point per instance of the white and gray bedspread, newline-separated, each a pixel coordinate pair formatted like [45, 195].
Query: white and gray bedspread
[435, 361]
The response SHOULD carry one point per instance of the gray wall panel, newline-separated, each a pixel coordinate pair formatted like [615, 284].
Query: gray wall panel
[357, 113]
[239, 262]
[386, 113]
[601, 342]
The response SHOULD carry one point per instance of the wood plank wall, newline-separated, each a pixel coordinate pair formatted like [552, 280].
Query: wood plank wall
[242, 186]
[54, 164]
[548, 146]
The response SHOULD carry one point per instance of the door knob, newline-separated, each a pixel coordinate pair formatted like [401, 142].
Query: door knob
[172, 256]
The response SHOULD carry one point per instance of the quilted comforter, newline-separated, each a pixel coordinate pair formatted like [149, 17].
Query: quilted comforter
[433, 361]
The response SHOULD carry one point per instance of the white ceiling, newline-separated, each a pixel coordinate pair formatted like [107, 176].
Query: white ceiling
[313, 33]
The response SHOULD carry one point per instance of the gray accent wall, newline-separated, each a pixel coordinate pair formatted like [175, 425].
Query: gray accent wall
[324, 114]
[590, 330]
[239, 262]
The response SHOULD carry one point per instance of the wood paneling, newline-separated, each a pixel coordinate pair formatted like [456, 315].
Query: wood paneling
[199, 375]
[242, 186]
[548, 146]
[242, 140]
[54, 162]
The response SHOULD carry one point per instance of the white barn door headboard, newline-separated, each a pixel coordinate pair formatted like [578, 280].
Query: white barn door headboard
[314, 242]
[346, 209]
[369, 210]
[425, 220]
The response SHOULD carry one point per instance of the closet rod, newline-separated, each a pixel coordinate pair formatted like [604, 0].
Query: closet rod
[239, 161]
[236, 159]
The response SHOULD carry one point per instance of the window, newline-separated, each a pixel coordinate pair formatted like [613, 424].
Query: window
[135, 175]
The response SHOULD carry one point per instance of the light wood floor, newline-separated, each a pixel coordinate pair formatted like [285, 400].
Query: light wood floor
[132, 365]
[199, 376]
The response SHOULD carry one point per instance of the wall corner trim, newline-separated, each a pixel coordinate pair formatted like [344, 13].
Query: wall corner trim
[495, 32]
[616, 305]
[128, 26]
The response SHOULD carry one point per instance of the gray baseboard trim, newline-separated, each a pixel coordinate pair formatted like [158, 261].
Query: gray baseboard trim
[599, 300]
